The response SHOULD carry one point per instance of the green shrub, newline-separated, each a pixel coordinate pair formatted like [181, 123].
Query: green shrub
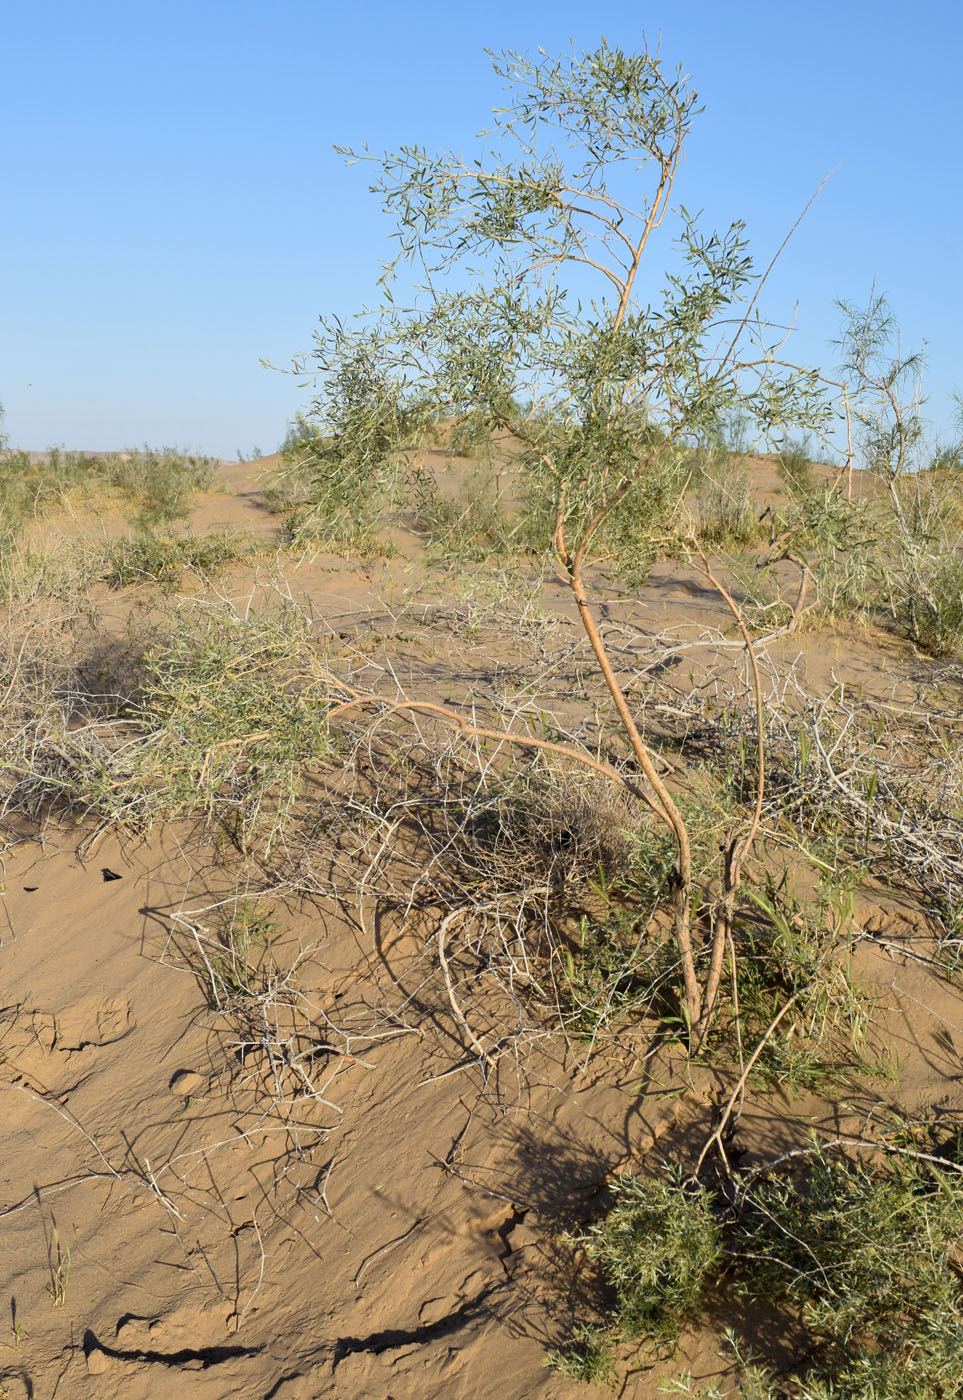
[220, 717]
[930, 600]
[588, 1356]
[161, 483]
[654, 1249]
[795, 467]
[291, 492]
[348, 448]
[163, 558]
[343, 468]
[235, 961]
[947, 457]
[635, 532]
[727, 514]
[334, 500]
[864, 1259]
[844, 543]
[29, 574]
[33, 485]
[870, 1257]
[792, 952]
[619, 967]
[469, 528]
[469, 435]
[231, 725]
[617, 970]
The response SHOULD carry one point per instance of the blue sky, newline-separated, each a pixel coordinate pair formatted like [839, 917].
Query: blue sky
[173, 211]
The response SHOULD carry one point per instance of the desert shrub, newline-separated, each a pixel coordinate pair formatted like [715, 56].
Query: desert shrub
[50, 713]
[947, 457]
[299, 430]
[864, 1258]
[508, 852]
[27, 575]
[870, 1259]
[842, 545]
[358, 425]
[275, 1049]
[339, 514]
[797, 951]
[227, 708]
[852, 785]
[236, 960]
[922, 566]
[418, 424]
[344, 468]
[624, 389]
[795, 467]
[788, 947]
[539, 833]
[162, 558]
[923, 576]
[928, 596]
[588, 1356]
[655, 1249]
[727, 513]
[470, 435]
[217, 716]
[33, 485]
[704, 462]
[787, 950]
[291, 491]
[469, 528]
[161, 483]
[842, 542]
[331, 500]
[617, 965]
[946, 495]
[617, 969]
[763, 602]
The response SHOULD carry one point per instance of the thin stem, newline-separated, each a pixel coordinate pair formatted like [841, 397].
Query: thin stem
[735, 1096]
[738, 850]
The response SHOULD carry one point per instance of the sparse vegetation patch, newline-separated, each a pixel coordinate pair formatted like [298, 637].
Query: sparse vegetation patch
[864, 1257]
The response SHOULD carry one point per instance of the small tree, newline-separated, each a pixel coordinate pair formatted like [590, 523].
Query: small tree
[923, 581]
[534, 311]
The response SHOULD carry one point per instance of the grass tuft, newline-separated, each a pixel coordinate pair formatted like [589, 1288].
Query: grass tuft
[162, 558]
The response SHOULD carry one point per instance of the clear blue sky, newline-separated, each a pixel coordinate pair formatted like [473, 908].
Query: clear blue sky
[173, 210]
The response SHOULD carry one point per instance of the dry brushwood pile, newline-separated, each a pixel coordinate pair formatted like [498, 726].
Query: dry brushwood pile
[482, 906]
